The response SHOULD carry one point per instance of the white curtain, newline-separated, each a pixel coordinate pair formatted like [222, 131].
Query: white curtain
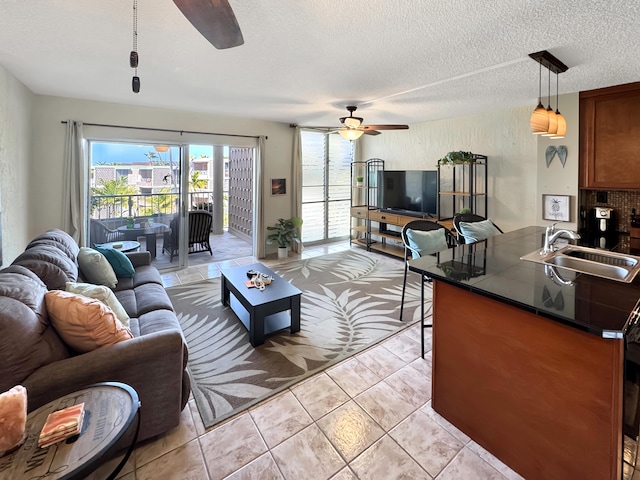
[74, 201]
[296, 183]
[259, 234]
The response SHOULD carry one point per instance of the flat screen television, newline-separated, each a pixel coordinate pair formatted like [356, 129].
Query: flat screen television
[409, 192]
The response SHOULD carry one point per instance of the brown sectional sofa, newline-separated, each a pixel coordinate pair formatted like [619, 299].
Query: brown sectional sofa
[32, 353]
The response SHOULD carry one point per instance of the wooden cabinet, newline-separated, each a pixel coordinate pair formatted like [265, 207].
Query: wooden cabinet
[610, 138]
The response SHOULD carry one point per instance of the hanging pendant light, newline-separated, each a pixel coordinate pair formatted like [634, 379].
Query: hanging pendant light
[539, 121]
[562, 123]
[553, 120]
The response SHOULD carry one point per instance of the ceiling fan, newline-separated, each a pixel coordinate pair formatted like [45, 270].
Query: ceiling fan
[214, 19]
[353, 127]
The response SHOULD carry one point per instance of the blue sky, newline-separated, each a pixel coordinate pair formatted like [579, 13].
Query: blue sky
[109, 153]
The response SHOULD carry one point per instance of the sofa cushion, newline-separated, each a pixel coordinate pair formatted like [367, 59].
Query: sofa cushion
[27, 340]
[84, 323]
[121, 265]
[96, 268]
[427, 242]
[59, 239]
[478, 231]
[102, 293]
[50, 264]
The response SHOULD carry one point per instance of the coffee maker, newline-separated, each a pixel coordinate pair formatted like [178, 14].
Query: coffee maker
[604, 220]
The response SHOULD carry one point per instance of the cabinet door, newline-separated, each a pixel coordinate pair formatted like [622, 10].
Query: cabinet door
[610, 138]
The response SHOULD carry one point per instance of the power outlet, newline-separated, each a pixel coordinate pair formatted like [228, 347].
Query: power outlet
[602, 197]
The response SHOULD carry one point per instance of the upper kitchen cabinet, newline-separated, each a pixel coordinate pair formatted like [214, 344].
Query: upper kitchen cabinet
[610, 138]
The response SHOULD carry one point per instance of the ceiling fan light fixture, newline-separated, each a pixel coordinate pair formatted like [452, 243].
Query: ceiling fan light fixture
[352, 122]
[350, 133]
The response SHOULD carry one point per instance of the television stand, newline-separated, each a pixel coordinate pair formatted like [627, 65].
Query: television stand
[380, 238]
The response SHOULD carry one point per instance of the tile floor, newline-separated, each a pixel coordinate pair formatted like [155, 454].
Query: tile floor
[368, 417]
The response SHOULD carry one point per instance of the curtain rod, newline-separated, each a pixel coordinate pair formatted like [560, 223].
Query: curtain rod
[181, 132]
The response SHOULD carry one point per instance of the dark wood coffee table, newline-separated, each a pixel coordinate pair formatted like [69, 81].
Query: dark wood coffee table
[261, 312]
[110, 411]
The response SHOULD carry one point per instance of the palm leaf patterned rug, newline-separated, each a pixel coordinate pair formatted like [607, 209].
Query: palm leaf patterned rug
[350, 301]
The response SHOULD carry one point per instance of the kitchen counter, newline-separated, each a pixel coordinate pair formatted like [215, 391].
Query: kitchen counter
[494, 269]
[530, 366]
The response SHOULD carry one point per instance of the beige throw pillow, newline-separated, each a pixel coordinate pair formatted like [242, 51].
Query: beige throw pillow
[102, 293]
[96, 268]
[84, 323]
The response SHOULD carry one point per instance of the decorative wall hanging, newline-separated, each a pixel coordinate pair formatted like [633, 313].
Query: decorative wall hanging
[555, 207]
[551, 152]
[278, 186]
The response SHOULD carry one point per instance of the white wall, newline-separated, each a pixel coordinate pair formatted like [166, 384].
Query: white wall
[516, 165]
[16, 105]
[48, 142]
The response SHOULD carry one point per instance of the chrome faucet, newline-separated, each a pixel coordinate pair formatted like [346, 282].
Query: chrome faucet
[551, 235]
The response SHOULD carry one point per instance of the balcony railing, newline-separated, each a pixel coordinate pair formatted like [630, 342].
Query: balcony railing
[113, 210]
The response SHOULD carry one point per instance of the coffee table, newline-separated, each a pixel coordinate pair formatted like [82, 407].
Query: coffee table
[110, 411]
[261, 312]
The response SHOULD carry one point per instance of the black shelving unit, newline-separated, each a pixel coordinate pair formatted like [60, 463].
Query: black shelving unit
[364, 197]
[463, 185]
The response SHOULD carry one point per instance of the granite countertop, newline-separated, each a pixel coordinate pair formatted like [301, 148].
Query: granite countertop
[493, 268]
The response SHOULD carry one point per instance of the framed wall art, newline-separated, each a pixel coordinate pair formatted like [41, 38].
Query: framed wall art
[555, 207]
[278, 186]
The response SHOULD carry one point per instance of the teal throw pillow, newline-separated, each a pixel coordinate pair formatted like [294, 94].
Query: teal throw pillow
[478, 231]
[427, 242]
[119, 261]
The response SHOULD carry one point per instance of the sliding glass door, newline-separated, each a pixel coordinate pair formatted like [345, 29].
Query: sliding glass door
[326, 173]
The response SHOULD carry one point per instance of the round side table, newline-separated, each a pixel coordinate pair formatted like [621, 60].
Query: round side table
[124, 246]
[110, 410]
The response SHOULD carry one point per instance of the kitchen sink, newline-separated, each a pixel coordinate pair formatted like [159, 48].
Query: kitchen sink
[590, 261]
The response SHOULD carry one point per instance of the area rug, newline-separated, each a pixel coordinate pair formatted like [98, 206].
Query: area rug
[350, 301]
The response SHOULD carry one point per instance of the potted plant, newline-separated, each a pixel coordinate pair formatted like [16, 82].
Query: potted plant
[453, 158]
[359, 180]
[285, 232]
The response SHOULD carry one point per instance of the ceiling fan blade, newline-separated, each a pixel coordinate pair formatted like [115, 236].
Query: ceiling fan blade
[371, 132]
[384, 127]
[214, 19]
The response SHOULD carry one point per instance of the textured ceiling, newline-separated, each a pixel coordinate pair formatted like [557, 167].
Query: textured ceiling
[303, 61]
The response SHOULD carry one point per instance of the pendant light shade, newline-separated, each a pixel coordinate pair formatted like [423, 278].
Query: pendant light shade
[562, 126]
[539, 120]
[350, 133]
[553, 123]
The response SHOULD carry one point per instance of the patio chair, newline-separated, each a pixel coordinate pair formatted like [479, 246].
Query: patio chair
[100, 233]
[199, 224]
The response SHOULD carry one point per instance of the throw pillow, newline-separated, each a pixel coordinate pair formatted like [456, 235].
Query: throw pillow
[102, 293]
[121, 264]
[427, 242]
[96, 268]
[84, 323]
[478, 231]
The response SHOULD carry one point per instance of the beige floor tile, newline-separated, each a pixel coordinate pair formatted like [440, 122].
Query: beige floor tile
[403, 346]
[426, 441]
[307, 455]
[411, 384]
[469, 465]
[107, 468]
[319, 395]
[345, 474]
[448, 426]
[189, 276]
[182, 434]
[350, 429]
[231, 446]
[183, 463]
[280, 418]
[381, 360]
[423, 365]
[385, 459]
[384, 405]
[353, 376]
[264, 467]
[493, 461]
[170, 279]
[195, 415]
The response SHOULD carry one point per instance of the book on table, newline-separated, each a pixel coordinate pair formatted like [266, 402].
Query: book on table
[61, 425]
